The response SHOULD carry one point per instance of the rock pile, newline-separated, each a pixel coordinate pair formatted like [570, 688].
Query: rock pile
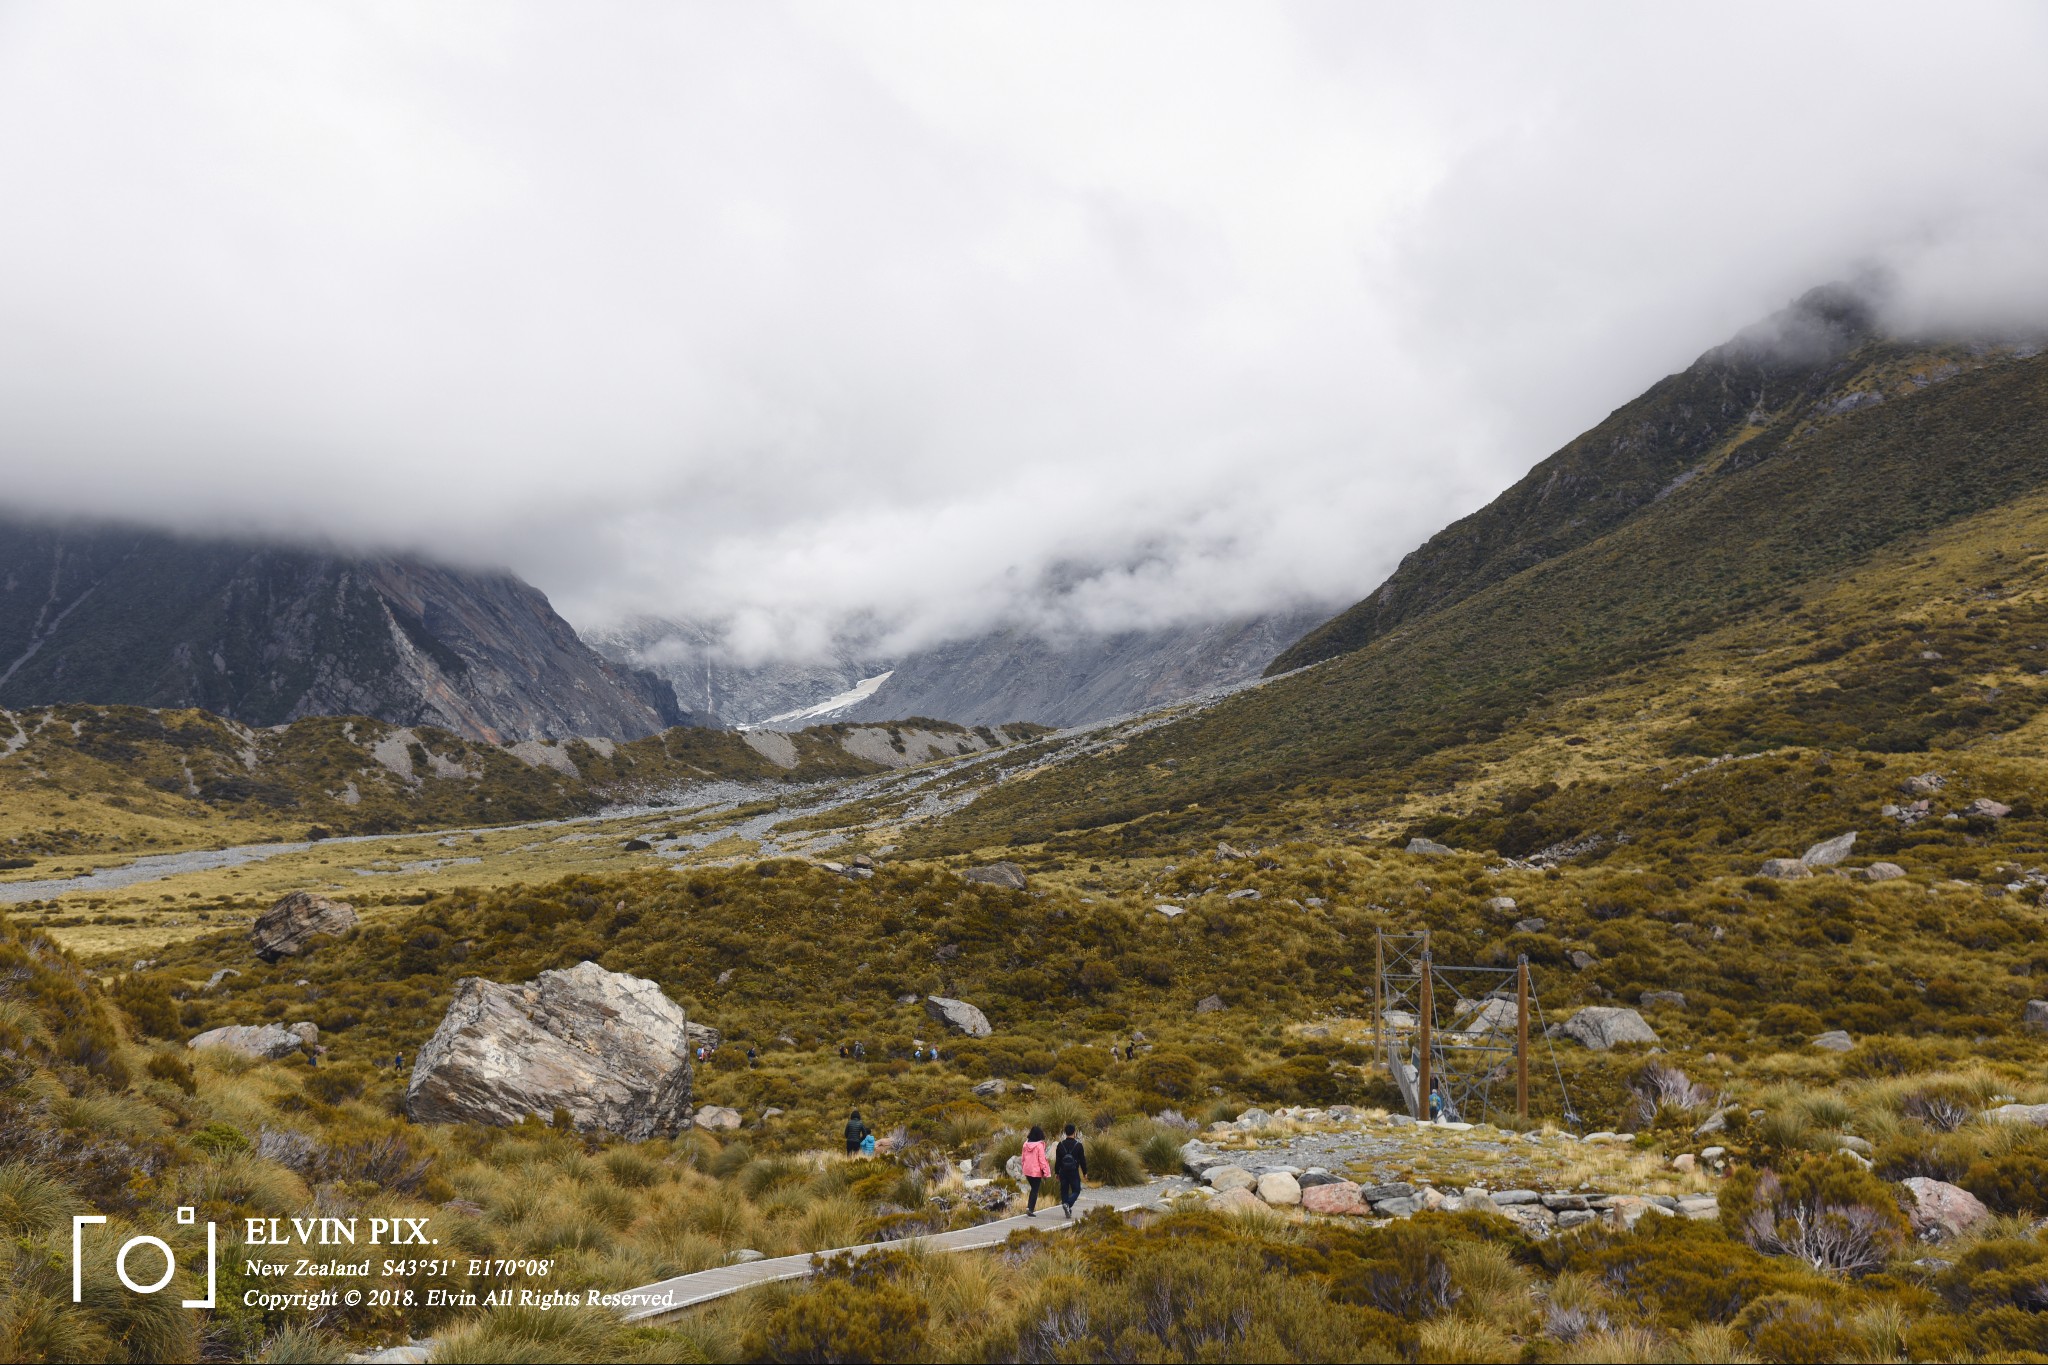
[610, 1049]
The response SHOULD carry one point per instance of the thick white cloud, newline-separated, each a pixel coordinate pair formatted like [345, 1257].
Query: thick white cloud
[785, 315]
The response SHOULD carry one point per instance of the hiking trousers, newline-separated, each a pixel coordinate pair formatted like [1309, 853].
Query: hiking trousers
[1070, 1188]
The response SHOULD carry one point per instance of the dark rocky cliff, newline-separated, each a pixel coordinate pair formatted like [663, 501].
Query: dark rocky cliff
[266, 634]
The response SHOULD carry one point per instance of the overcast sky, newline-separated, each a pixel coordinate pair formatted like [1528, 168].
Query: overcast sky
[775, 315]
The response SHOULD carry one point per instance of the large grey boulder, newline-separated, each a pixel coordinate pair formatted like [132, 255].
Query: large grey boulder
[263, 1042]
[609, 1048]
[1834, 1040]
[1004, 874]
[1601, 1027]
[288, 928]
[1429, 848]
[1828, 852]
[1883, 872]
[1984, 808]
[958, 1015]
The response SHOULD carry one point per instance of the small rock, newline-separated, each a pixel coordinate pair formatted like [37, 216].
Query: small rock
[2035, 1016]
[1572, 1218]
[1170, 911]
[1393, 1189]
[1226, 854]
[1004, 874]
[957, 1015]
[1664, 999]
[1717, 1122]
[1834, 1040]
[1507, 1199]
[1279, 1188]
[1534, 1219]
[220, 976]
[1828, 852]
[1883, 872]
[1501, 905]
[1712, 1153]
[1926, 784]
[1531, 926]
[1787, 869]
[1684, 1163]
[1699, 1206]
[1249, 893]
[1984, 808]
[1334, 1198]
[1939, 1210]
[1237, 1200]
[725, 977]
[1561, 1203]
[1209, 1004]
[1312, 1178]
[1399, 1207]
[769, 1114]
[992, 1089]
[1254, 1118]
[717, 1117]
[637, 846]
[1429, 848]
[1229, 1178]
[306, 1030]
[747, 1254]
[1581, 959]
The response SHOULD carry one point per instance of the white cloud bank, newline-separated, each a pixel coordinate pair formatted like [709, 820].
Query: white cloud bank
[782, 316]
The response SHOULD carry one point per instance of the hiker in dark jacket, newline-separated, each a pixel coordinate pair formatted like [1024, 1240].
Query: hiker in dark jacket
[855, 1132]
[1069, 1163]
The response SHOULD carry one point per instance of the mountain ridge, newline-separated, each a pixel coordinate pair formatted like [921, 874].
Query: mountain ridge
[267, 633]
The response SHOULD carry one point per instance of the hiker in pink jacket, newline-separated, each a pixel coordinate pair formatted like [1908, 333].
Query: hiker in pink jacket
[1037, 1168]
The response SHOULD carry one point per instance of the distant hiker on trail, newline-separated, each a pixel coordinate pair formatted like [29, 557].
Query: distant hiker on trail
[842, 1050]
[1436, 1102]
[750, 1056]
[1037, 1169]
[1070, 1163]
[867, 1145]
[856, 1133]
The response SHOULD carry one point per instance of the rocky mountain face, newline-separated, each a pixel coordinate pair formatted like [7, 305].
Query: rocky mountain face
[1004, 675]
[266, 634]
[1786, 370]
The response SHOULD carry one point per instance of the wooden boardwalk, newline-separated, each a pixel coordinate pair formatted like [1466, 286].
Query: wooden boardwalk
[658, 1300]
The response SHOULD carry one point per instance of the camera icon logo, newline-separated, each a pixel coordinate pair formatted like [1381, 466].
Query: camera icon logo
[186, 1216]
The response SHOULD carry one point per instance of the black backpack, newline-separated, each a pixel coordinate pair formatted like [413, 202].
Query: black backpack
[1067, 1159]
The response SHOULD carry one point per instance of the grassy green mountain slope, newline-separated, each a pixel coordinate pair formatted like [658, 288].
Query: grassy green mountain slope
[1788, 510]
[1822, 351]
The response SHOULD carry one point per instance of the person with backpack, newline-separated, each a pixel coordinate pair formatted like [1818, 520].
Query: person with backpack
[1070, 1163]
[867, 1145]
[856, 1133]
[1037, 1168]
